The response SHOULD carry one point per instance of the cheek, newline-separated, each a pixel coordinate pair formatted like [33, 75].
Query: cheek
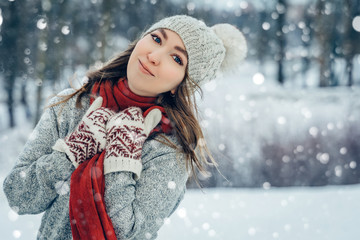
[178, 74]
[141, 45]
[132, 64]
[174, 76]
[137, 50]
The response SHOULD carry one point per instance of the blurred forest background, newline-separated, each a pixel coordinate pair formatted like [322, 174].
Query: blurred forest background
[44, 43]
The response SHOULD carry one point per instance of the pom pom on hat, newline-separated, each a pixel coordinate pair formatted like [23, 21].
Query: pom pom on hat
[234, 43]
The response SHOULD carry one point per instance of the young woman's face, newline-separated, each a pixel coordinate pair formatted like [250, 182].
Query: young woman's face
[157, 63]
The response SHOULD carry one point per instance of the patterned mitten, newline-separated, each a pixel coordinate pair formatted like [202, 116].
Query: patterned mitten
[89, 137]
[126, 134]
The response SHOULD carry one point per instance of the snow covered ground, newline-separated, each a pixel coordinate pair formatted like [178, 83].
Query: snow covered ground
[329, 213]
[284, 213]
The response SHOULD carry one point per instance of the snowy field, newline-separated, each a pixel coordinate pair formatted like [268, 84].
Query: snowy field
[329, 213]
[285, 213]
[321, 213]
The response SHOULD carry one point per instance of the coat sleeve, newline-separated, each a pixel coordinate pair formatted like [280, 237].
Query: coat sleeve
[138, 208]
[40, 173]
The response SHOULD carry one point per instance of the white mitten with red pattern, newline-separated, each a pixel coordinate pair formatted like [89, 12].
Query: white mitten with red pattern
[89, 137]
[126, 134]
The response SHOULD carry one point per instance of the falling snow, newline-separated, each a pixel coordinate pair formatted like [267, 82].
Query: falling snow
[171, 185]
[356, 23]
[271, 135]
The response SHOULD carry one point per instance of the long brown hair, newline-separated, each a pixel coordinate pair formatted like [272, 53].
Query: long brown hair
[180, 108]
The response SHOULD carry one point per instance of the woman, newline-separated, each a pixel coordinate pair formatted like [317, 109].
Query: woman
[111, 160]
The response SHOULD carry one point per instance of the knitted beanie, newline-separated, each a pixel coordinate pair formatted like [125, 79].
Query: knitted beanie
[209, 49]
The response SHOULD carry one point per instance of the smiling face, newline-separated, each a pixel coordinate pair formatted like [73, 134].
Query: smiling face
[157, 63]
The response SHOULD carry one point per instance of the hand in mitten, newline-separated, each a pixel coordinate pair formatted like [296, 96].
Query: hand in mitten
[126, 134]
[89, 137]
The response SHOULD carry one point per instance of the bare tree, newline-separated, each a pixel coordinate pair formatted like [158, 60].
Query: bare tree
[281, 8]
[9, 52]
[325, 32]
[351, 38]
[40, 60]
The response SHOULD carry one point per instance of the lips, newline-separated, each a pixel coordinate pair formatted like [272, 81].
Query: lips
[145, 69]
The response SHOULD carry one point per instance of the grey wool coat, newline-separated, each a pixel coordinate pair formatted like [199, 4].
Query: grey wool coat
[40, 180]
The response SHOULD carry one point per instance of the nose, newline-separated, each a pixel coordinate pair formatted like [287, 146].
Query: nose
[154, 57]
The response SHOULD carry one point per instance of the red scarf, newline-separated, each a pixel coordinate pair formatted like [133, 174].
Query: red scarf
[87, 210]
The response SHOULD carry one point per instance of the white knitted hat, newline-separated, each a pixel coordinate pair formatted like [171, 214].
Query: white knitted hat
[209, 49]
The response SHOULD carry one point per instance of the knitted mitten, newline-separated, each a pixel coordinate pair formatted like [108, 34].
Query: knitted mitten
[126, 134]
[89, 137]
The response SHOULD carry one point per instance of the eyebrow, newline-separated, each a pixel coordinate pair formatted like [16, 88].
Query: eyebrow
[180, 49]
[162, 31]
